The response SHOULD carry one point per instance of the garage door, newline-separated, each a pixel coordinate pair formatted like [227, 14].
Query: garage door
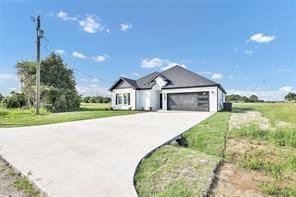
[191, 101]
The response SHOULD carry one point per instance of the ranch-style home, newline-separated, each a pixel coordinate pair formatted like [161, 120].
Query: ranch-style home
[173, 89]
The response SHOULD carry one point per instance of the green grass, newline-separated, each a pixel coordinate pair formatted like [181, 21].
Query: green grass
[279, 136]
[208, 137]
[23, 184]
[273, 111]
[275, 155]
[177, 171]
[27, 117]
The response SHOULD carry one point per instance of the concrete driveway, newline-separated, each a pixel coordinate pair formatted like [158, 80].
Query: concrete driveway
[91, 157]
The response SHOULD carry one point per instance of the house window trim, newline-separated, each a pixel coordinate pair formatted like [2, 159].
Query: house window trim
[124, 97]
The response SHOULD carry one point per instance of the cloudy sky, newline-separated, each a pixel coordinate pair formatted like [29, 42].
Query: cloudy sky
[247, 46]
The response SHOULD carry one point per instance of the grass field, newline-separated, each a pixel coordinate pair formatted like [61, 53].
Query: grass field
[270, 150]
[173, 170]
[27, 117]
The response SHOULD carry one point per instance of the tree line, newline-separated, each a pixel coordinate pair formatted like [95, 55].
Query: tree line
[58, 86]
[239, 98]
[253, 98]
[96, 99]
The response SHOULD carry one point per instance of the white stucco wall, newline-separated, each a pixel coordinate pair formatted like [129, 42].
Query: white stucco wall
[212, 95]
[143, 99]
[123, 106]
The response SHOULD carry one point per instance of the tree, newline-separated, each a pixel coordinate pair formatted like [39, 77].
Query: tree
[26, 72]
[291, 97]
[1, 97]
[58, 92]
[253, 98]
[86, 99]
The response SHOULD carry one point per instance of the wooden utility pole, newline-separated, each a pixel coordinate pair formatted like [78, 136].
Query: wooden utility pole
[39, 34]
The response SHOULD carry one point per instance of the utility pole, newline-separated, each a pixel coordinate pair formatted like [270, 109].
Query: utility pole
[39, 34]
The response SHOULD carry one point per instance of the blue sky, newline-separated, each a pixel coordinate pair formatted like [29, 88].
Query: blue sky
[247, 46]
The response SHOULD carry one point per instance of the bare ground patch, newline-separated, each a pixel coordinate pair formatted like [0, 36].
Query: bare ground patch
[13, 184]
[234, 181]
[245, 117]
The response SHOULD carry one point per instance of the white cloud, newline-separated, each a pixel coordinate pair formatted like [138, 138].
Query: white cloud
[7, 77]
[94, 80]
[84, 80]
[259, 37]
[137, 74]
[286, 89]
[217, 76]
[65, 16]
[94, 85]
[100, 58]
[248, 52]
[60, 51]
[152, 63]
[230, 76]
[78, 55]
[125, 26]
[164, 64]
[92, 24]
[267, 95]
[89, 24]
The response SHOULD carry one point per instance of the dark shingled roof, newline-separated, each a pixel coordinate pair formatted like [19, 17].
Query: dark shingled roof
[177, 77]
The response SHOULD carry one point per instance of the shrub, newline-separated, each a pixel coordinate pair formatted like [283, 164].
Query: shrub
[14, 100]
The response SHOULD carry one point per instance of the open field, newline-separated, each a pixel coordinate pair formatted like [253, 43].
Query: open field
[27, 117]
[173, 170]
[261, 146]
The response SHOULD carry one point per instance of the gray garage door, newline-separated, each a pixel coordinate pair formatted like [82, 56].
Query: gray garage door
[192, 101]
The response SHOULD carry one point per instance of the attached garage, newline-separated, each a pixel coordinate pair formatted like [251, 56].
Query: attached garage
[189, 101]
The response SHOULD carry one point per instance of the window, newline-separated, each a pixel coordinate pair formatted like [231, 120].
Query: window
[118, 99]
[126, 98]
[122, 99]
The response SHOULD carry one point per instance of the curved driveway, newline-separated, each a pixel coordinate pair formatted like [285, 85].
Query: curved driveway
[91, 157]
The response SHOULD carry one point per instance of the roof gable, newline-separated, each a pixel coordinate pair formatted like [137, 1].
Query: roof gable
[123, 82]
[176, 77]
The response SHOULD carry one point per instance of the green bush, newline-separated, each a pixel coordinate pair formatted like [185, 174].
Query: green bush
[14, 100]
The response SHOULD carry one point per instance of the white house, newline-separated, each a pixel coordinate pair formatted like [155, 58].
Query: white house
[174, 89]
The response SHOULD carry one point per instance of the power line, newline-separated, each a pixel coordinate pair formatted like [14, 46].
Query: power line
[81, 72]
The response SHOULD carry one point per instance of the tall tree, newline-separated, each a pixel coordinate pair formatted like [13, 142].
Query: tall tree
[58, 92]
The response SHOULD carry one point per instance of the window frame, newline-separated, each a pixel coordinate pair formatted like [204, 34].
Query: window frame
[122, 98]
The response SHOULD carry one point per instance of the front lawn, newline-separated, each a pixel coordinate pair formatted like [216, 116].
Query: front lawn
[27, 117]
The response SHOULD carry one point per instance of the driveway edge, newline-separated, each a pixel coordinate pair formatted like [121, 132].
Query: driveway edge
[19, 173]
